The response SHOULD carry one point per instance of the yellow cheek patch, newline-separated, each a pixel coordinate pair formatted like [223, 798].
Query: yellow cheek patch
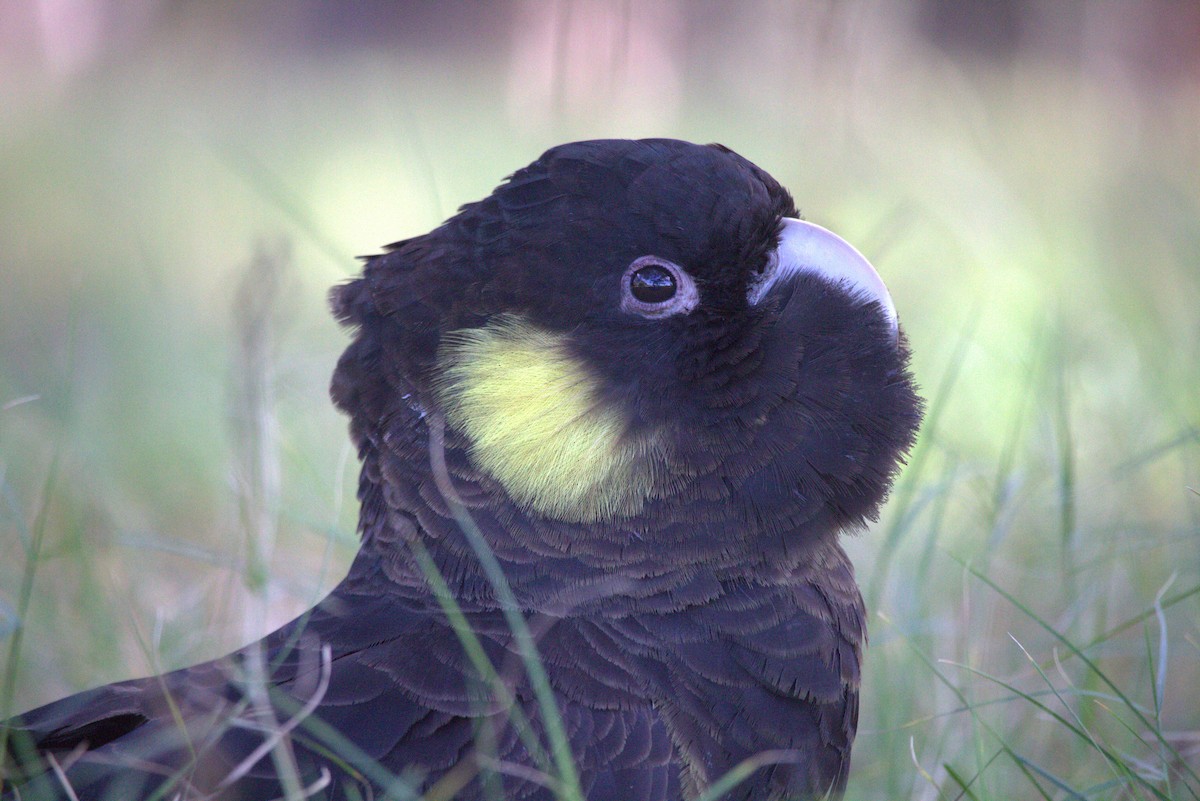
[538, 426]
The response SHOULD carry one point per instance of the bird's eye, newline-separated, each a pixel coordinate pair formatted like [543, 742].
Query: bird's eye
[652, 284]
[654, 287]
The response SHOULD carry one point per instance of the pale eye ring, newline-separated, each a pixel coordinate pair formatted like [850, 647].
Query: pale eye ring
[654, 287]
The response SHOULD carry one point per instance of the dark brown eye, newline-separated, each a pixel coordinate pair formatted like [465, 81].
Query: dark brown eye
[653, 284]
[655, 288]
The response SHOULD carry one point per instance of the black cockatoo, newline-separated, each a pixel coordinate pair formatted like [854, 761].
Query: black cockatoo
[621, 410]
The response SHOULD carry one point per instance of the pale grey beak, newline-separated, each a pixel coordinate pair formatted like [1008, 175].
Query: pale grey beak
[808, 248]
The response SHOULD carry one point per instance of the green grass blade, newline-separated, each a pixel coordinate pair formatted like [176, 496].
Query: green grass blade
[527, 648]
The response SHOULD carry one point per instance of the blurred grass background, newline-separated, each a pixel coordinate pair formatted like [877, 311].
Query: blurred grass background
[181, 183]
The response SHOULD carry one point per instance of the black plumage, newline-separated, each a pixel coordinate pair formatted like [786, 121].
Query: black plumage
[702, 617]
